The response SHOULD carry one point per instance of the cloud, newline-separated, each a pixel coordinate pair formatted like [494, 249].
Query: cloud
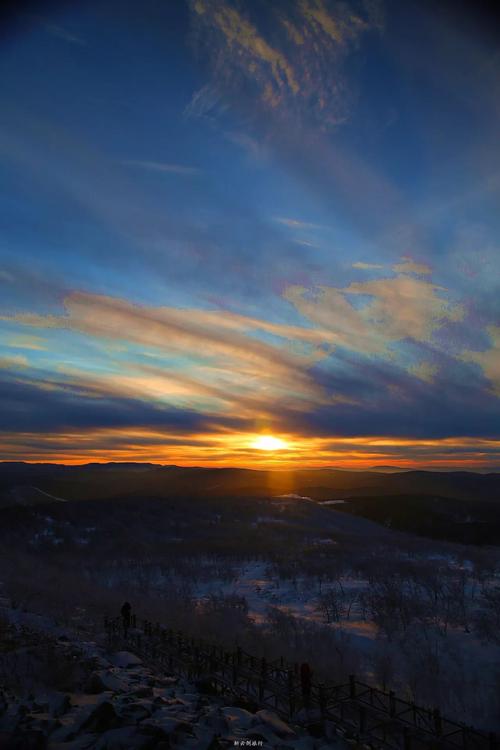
[367, 266]
[60, 32]
[254, 148]
[30, 406]
[397, 308]
[424, 371]
[409, 266]
[488, 360]
[22, 341]
[315, 36]
[65, 423]
[242, 357]
[296, 223]
[13, 363]
[159, 166]
[243, 38]
[316, 13]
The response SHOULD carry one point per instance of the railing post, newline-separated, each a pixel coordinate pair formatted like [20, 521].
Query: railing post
[406, 738]
[362, 719]
[322, 699]
[352, 686]
[263, 677]
[235, 667]
[436, 715]
[291, 697]
[392, 704]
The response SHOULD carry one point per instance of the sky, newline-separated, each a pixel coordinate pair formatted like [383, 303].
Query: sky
[229, 220]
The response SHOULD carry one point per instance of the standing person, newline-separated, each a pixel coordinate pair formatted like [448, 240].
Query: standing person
[306, 682]
[125, 612]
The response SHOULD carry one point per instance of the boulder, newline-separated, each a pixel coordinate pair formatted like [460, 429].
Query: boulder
[29, 740]
[124, 659]
[277, 726]
[105, 679]
[136, 711]
[238, 717]
[102, 718]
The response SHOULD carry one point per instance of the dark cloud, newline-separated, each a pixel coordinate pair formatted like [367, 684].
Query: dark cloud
[51, 407]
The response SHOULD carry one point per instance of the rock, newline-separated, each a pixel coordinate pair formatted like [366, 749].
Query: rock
[133, 738]
[238, 717]
[124, 659]
[29, 740]
[94, 684]
[274, 723]
[43, 722]
[102, 718]
[143, 691]
[59, 704]
[262, 737]
[123, 738]
[216, 720]
[136, 711]
[102, 680]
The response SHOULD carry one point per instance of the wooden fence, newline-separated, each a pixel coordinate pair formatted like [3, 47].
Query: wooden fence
[372, 716]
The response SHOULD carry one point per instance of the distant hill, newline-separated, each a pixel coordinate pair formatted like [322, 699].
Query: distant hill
[453, 506]
[112, 480]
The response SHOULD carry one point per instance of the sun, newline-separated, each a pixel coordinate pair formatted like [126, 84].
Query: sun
[269, 443]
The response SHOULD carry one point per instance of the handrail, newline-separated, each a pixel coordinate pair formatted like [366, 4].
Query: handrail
[377, 717]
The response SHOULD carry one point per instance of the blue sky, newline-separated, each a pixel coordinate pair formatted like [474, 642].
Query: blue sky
[226, 219]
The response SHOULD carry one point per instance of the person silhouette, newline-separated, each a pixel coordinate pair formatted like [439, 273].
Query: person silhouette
[125, 612]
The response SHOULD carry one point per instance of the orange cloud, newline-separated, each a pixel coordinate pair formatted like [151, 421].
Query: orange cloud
[228, 448]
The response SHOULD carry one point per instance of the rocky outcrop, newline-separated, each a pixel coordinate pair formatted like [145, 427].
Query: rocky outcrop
[124, 704]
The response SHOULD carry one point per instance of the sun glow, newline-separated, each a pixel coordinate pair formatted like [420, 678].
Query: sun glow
[269, 443]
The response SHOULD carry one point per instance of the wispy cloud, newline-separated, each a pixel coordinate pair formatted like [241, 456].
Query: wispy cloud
[367, 266]
[296, 223]
[6, 276]
[60, 32]
[14, 362]
[255, 149]
[21, 341]
[220, 350]
[160, 166]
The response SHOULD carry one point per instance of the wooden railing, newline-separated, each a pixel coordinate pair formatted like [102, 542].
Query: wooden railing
[375, 717]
